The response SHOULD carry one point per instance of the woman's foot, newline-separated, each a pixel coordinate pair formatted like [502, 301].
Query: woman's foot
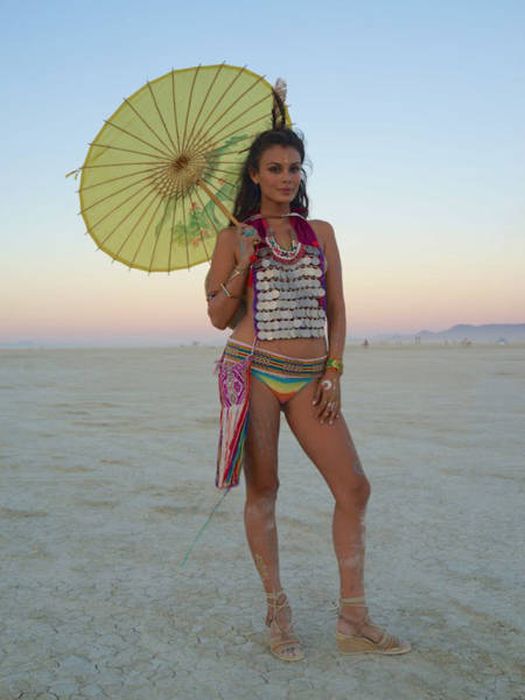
[283, 641]
[356, 633]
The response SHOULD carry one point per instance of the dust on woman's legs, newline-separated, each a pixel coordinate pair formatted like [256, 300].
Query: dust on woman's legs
[262, 484]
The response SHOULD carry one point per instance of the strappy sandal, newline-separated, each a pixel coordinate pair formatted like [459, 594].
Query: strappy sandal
[278, 645]
[360, 643]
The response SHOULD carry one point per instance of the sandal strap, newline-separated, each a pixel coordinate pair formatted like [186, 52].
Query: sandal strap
[356, 600]
[286, 631]
[278, 643]
[271, 617]
[272, 599]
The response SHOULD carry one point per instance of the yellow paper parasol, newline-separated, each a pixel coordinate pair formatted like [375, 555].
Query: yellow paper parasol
[160, 178]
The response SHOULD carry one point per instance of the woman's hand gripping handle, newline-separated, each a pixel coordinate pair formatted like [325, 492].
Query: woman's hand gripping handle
[248, 240]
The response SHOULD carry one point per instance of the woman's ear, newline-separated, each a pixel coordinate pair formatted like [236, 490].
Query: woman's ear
[253, 177]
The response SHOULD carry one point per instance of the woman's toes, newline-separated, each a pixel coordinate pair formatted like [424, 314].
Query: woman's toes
[293, 652]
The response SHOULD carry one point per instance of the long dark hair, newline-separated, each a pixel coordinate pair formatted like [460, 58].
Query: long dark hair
[248, 200]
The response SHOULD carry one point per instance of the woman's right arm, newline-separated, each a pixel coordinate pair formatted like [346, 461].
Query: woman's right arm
[226, 280]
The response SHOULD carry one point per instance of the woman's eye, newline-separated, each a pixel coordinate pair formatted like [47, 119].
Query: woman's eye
[274, 168]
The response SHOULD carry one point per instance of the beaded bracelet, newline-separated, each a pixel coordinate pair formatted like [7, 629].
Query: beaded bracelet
[332, 363]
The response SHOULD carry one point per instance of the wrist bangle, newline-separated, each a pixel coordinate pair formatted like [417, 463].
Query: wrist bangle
[239, 270]
[227, 292]
[236, 272]
[224, 289]
[332, 363]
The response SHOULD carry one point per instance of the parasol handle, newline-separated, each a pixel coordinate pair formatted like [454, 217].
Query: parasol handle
[218, 202]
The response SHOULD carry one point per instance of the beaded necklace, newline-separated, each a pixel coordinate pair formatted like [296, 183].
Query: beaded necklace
[289, 286]
[283, 253]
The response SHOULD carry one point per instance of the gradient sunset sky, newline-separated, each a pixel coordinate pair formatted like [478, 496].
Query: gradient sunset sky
[414, 118]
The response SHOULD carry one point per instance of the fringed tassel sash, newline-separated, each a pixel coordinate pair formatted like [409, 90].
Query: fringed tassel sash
[234, 394]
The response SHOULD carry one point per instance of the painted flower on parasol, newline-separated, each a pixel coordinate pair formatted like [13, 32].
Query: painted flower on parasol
[160, 178]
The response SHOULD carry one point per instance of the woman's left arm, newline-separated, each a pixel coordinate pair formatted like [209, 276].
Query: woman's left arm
[327, 400]
[335, 300]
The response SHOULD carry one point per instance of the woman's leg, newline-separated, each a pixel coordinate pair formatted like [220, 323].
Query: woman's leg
[262, 483]
[331, 449]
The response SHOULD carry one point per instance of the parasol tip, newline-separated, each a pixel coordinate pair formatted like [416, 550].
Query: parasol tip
[73, 173]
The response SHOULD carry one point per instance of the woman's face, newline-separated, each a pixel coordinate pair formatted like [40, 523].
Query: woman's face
[279, 174]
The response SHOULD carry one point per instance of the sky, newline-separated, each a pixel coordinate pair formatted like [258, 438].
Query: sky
[414, 119]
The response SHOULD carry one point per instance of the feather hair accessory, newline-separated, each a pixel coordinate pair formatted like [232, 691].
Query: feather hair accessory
[280, 88]
[279, 99]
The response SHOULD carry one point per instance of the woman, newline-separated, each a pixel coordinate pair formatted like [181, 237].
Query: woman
[289, 270]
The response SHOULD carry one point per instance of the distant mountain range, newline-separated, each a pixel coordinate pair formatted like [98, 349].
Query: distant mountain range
[486, 333]
[462, 332]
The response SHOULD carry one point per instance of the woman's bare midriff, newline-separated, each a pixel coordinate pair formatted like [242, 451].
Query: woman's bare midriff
[244, 332]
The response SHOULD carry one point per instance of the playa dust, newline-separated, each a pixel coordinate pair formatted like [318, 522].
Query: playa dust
[107, 461]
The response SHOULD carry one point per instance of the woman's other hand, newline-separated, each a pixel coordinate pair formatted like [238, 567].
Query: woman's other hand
[327, 397]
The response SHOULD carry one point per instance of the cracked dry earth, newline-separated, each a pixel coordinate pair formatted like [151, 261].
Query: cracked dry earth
[107, 467]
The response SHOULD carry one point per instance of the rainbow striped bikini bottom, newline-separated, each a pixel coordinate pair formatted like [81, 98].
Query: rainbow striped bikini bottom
[283, 375]
[239, 363]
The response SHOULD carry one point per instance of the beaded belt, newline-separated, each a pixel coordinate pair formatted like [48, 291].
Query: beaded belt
[277, 364]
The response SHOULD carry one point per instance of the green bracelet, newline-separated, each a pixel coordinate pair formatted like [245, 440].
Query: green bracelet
[332, 363]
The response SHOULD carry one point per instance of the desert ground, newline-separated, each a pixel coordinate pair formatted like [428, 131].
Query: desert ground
[107, 465]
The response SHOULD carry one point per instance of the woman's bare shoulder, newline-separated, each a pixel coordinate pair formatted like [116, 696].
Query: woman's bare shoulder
[323, 226]
[323, 230]
[226, 240]
[228, 233]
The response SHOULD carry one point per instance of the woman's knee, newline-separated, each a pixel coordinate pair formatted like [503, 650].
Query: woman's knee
[355, 495]
[262, 482]
[262, 491]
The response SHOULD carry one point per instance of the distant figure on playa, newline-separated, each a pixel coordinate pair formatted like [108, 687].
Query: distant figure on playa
[276, 279]
[365, 343]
